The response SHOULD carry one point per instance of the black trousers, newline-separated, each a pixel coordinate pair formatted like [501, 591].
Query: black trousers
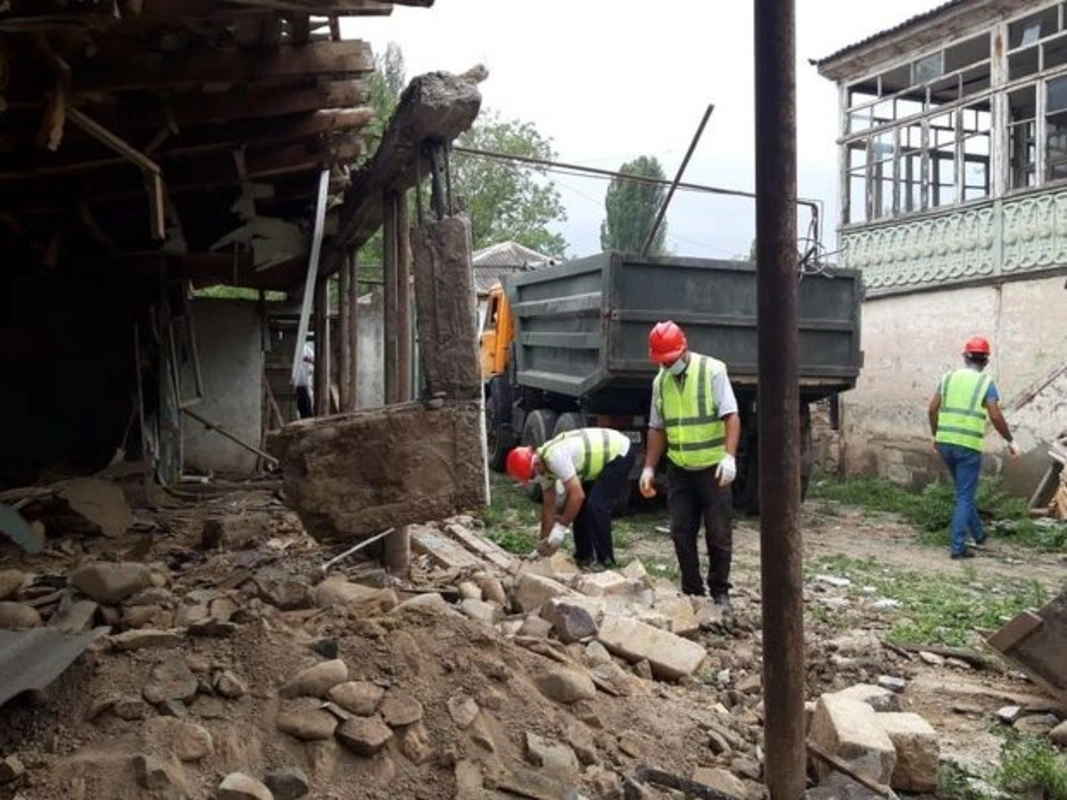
[303, 402]
[592, 526]
[695, 495]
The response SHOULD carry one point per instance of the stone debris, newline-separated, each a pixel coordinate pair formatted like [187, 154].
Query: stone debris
[463, 710]
[847, 728]
[534, 591]
[307, 722]
[239, 786]
[18, 617]
[876, 697]
[1059, 734]
[11, 581]
[11, 769]
[668, 655]
[566, 685]
[364, 736]
[917, 749]
[400, 708]
[288, 784]
[891, 683]
[170, 679]
[557, 759]
[109, 583]
[570, 621]
[146, 639]
[316, 681]
[75, 617]
[1009, 714]
[229, 685]
[721, 780]
[357, 697]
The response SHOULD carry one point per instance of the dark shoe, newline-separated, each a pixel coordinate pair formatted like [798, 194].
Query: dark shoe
[610, 564]
[964, 554]
[722, 599]
[981, 541]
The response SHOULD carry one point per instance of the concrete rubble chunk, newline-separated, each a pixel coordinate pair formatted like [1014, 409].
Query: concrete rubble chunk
[430, 601]
[535, 626]
[917, 748]
[11, 581]
[189, 741]
[1036, 724]
[596, 655]
[361, 698]
[307, 723]
[146, 639]
[170, 679]
[283, 591]
[239, 786]
[601, 584]
[581, 740]
[848, 729]
[463, 709]
[878, 698]
[892, 683]
[554, 758]
[481, 611]
[571, 621]
[400, 708]
[1009, 714]
[493, 590]
[18, 617]
[288, 784]
[469, 590]
[681, 617]
[722, 781]
[534, 591]
[11, 769]
[635, 571]
[1059, 734]
[670, 656]
[364, 736]
[339, 592]
[565, 685]
[415, 744]
[229, 685]
[316, 681]
[110, 582]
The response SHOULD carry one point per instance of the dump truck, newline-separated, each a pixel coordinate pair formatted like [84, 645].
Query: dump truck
[566, 346]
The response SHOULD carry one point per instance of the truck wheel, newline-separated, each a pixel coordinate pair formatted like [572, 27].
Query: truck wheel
[569, 421]
[538, 429]
[500, 438]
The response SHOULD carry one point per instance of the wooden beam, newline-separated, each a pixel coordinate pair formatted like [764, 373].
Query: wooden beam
[155, 71]
[389, 311]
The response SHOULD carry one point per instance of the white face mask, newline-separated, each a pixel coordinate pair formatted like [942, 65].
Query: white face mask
[678, 367]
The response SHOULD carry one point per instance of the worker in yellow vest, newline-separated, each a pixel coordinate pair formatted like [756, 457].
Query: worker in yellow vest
[694, 419]
[593, 466]
[958, 411]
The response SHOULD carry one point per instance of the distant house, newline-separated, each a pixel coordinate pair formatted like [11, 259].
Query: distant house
[506, 258]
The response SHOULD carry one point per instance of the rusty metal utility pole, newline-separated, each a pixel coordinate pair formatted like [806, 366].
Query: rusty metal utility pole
[779, 398]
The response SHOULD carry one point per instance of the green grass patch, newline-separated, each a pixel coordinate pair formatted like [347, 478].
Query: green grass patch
[944, 608]
[511, 519]
[1031, 767]
[930, 511]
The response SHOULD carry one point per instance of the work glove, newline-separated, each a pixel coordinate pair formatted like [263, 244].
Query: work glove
[555, 538]
[727, 470]
[1013, 450]
[645, 483]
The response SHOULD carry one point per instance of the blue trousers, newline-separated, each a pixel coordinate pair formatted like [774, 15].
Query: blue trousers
[964, 465]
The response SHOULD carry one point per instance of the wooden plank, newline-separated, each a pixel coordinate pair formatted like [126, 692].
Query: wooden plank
[1039, 649]
[444, 552]
[1015, 631]
[479, 545]
[232, 65]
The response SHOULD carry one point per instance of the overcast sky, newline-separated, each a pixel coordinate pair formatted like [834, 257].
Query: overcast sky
[608, 80]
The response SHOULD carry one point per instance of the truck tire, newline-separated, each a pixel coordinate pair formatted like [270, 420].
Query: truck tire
[568, 421]
[537, 430]
[500, 437]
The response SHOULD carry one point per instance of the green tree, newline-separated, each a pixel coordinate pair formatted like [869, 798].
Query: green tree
[631, 209]
[508, 201]
[385, 85]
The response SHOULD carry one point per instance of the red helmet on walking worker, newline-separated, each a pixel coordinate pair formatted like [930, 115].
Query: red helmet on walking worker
[520, 464]
[666, 343]
[976, 346]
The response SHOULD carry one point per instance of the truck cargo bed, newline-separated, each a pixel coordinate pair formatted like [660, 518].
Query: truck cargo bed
[582, 327]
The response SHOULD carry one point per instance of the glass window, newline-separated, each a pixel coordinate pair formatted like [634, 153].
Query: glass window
[883, 158]
[895, 80]
[1023, 63]
[966, 53]
[857, 182]
[975, 129]
[944, 92]
[928, 68]
[1022, 138]
[1033, 28]
[910, 167]
[1054, 52]
[1056, 129]
[975, 81]
[943, 160]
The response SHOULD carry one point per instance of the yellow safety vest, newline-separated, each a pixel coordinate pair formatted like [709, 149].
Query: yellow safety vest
[696, 437]
[599, 448]
[962, 417]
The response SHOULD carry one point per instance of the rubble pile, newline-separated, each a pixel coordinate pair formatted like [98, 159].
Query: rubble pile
[229, 665]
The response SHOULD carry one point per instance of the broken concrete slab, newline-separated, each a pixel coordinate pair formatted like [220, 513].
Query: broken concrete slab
[877, 697]
[847, 728]
[669, 655]
[533, 591]
[110, 582]
[18, 617]
[566, 685]
[33, 659]
[11, 581]
[102, 503]
[317, 680]
[600, 584]
[721, 780]
[353, 475]
[917, 748]
[1037, 644]
[555, 758]
[571, 621]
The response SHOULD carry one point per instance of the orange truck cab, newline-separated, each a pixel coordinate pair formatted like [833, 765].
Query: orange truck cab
[498, 330]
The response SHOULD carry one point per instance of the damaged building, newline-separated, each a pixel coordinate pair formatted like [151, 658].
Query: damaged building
[953, 190]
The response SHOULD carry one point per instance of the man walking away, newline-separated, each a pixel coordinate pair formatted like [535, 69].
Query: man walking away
[958, 411]
[694, 418]
[304, 408]
[601, 459]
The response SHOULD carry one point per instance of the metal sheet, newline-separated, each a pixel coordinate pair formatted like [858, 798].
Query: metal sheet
[33, 659]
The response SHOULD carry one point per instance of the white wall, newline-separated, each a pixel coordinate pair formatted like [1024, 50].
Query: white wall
[910, 340]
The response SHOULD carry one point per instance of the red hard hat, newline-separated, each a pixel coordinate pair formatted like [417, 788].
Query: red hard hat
[520, 464]
[666, 343]
[976, 345]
